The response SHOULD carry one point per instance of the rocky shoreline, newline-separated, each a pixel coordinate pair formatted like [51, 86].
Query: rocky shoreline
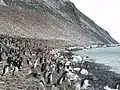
[99, 74]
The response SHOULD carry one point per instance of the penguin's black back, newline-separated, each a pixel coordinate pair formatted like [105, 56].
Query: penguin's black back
[64, 73]
[43, 67]
[41, 60]
[58, 68]
[58, 81]
[4, 69]
[27, 61]
[82, 82]
[0, 57]
[42, 82]
[55, 84]
[48, 78]
[45, 74]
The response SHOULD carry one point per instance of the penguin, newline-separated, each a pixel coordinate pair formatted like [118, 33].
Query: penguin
[5, 70]
[84, 72]
[0, 57]
[35, 64]
[20, 63]
[49, 78]
[60, 80]
[77, 86]
[58, 68]
[41, 60]
[9, 61]
[15, 70]
[115, 88]
[85, 84]
[53, 68]
[29, 62]
[45, 60]
[43, 67]
[64, 73]
[42, 87]
[68, 84]
[54, 87]
[34, 73]
[45, 74]
[15, 62]
[76, 69]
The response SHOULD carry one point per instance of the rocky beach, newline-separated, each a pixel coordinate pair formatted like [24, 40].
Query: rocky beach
[36, 39]
[99, 76]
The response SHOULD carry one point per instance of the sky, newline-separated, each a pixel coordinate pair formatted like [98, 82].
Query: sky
[105, 13]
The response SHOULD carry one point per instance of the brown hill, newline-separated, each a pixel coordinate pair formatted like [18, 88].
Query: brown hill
[50, 20]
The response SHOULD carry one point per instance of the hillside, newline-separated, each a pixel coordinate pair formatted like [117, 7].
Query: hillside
[50, 20]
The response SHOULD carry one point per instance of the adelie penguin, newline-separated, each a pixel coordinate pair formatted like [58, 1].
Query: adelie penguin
[29, 62]
[35, 64]
[19, 63]
[77, 86]
[15, 70]
[84, 72]
[9, 61]
[5, 70]
[42, 87]
[45, 74]
[43, 67]
[115, 88]
[41, 60]
[68, 84]
[54, 87]
[58, 68]
[85, 84]
[49, 78]
[60, 80]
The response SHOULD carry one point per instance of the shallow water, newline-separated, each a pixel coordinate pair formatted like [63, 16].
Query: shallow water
[109, 56]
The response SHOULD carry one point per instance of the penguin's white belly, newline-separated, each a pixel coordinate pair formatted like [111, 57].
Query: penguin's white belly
[77, 87]
[54, 88]
[84, 72]
[6, 70]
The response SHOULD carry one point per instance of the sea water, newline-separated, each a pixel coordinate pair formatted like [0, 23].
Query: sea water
[109, 56]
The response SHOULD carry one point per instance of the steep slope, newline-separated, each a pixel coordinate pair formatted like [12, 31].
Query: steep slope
[51, 20]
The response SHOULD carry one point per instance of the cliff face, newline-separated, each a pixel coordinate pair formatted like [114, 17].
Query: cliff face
[51, 20]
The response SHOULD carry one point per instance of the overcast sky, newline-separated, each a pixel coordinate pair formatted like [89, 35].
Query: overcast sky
[106, 13]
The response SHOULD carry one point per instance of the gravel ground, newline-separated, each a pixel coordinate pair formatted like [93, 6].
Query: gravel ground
[99, 73]
[102, 76]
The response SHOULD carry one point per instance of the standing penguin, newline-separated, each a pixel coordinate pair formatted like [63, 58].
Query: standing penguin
[85, 84]
[35, 64]
[19, 63]
[29, 62]
[42, 87]
[84, 72]
[0, 57]
[9, 61]
[54, 87]
[43, 67]
[45, 74]
[41, 60]
[77, 86]
[58, 68]
[60, 80]
[68, 84]
[15, 70]
[5, 70]
[49, 78]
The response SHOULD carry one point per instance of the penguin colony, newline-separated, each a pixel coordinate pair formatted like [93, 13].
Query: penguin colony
[54, 69]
